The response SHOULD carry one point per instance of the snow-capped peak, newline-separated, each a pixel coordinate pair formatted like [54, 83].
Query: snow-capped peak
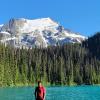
[38, 32]
[41, 24]
[1, 26]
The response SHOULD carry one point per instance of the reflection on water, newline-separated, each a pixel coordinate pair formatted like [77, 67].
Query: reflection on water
[53, 93]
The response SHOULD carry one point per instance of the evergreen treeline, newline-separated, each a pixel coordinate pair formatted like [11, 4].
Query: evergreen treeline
[61, 65]
[93, 45]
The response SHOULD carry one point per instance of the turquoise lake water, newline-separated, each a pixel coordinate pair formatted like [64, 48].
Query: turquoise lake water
[53, 93]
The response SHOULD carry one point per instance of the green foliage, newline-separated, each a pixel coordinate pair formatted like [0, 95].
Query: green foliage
[61, 65]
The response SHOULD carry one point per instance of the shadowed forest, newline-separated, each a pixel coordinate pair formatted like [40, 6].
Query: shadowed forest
[69, 64]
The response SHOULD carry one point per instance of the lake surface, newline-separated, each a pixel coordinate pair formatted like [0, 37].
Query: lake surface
[53, 93]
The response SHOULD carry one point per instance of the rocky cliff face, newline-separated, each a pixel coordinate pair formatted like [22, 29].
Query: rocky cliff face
[39, 32]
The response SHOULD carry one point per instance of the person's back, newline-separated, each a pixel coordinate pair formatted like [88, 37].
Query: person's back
[40, 92]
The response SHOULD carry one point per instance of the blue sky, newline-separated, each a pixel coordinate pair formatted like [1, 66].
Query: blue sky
[81, 16]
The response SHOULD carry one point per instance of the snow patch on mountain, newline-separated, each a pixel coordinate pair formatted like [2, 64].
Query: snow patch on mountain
[1, 27]
[39, 32]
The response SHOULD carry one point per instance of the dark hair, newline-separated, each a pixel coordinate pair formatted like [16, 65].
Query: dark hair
[39, 82]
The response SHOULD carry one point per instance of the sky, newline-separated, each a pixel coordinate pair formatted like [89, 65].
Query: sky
[81, 16]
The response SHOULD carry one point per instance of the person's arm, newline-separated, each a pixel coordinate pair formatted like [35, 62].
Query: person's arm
[44, 97]
[35, 93]
[44, 94]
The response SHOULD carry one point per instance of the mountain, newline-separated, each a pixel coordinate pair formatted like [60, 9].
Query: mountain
[39, 32]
